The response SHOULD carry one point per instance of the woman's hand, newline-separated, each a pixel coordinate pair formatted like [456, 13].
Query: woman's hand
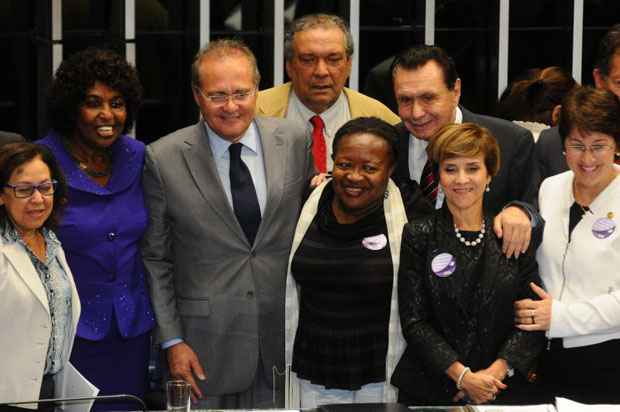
[532, 315]
[481, 387]
[498, 369]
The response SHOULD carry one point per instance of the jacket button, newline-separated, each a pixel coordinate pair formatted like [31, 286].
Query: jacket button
[111, 236]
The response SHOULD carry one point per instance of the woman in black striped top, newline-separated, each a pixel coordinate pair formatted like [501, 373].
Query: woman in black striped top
[347, 338]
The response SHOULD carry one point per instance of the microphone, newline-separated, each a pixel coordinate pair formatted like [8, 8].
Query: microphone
[105, 398]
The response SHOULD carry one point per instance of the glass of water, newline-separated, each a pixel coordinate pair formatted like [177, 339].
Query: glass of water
[178, 396]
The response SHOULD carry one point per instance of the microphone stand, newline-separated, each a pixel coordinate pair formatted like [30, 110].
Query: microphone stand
[105, 398]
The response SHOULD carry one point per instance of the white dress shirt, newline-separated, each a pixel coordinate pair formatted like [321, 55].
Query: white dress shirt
[333, 118]
[252, 156]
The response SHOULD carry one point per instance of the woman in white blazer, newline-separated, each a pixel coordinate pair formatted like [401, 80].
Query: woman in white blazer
[39, 305]
[579, 258]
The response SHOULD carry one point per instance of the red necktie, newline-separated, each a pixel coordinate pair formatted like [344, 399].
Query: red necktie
[429, 184]
[319, 150]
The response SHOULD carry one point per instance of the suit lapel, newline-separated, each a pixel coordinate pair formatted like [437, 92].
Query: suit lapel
[24, 268]
[468, 117]
[201, 165]
[274, 155]
[402, 167]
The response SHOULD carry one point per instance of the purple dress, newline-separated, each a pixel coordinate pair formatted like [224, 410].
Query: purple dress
[100, 231]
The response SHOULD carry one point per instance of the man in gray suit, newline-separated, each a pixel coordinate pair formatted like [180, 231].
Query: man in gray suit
[224, 196]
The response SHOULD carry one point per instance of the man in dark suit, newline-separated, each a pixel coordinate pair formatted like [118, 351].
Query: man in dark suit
[549, 151]
[8, 137]
[224, 196]
[427, 90]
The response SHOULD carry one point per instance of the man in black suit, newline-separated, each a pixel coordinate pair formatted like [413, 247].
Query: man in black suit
[549, 151]
[427, 90]
[8, 137]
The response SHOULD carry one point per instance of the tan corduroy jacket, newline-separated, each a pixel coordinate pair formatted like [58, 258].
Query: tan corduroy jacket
[273, 102]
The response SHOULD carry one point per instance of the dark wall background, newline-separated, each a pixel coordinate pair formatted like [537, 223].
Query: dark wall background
[167, 36]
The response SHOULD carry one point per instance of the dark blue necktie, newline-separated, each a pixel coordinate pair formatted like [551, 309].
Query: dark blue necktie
[245, 202]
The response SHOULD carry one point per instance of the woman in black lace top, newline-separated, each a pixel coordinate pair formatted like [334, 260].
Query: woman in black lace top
[456, 288]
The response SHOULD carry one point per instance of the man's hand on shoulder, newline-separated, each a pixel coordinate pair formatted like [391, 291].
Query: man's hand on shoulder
[318, 179]
[513, 226]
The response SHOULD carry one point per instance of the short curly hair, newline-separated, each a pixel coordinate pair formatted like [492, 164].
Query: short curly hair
[78, 74]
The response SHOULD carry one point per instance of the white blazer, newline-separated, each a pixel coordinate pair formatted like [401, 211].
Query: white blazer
[582, 274]
[25, 324]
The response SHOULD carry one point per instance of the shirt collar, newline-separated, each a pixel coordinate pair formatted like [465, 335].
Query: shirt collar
[330, 116]
[458, 115]
[219, 145]
[10, 235]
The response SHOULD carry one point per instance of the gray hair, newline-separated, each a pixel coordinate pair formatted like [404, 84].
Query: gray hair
[311, 21]
[223, 48]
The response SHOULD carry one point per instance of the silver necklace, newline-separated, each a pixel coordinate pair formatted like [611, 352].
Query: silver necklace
[471, 243]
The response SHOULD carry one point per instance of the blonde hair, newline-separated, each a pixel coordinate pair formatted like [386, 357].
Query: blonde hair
[465, 140]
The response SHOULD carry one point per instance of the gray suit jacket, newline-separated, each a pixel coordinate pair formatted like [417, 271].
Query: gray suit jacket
[208, 285]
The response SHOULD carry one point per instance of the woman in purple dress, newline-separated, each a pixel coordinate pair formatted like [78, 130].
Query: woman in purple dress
[93, 102]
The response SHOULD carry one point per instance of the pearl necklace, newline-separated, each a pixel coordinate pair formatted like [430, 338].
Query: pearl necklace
[472, 243]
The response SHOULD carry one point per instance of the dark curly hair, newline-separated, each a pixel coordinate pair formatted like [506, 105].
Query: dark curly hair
[78, 74]
[13, 156]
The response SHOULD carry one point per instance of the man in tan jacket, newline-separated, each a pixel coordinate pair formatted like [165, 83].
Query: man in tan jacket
[318, 50]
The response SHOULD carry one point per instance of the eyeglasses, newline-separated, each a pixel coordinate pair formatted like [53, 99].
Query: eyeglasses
[23, 191]
[596, 149]
[223, 98]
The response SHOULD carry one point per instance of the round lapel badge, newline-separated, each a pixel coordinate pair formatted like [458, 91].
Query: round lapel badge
[443, 265]
[376, 242]
[603, 228]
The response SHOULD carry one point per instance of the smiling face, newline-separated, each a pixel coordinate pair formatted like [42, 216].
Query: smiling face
[362, 166]
[102, 117]
[425, 104]
[319, 67]
[28, 214]
[231, 74]
[464, 180]
[594, 167]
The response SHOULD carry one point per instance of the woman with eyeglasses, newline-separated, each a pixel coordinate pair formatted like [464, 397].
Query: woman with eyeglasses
[93, 103]
[579, 259]
[39, 305]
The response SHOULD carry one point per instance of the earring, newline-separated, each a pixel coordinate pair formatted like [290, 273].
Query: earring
[487, 189]
[564, 153]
